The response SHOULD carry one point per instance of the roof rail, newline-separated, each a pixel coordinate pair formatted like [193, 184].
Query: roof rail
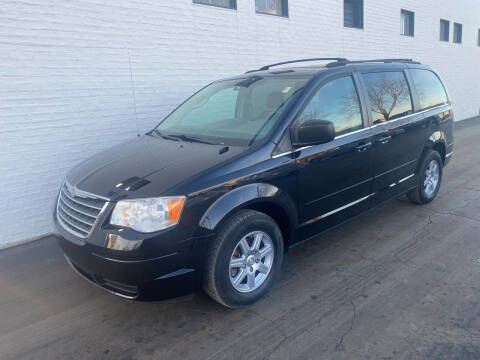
[342, 63]
[266, 67]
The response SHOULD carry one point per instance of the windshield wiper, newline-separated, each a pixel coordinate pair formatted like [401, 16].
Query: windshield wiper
[194, 139]
[165, 136]
[178, 137]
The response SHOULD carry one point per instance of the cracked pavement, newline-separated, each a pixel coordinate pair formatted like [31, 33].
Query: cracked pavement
[401, 282]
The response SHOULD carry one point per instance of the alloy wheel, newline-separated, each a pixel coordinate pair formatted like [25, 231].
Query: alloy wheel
[432, 175]
[251, 261]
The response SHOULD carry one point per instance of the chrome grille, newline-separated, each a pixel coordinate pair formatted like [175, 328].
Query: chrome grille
[77, 210]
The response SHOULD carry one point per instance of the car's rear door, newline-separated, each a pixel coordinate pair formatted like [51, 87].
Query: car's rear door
[398, 133]
[335, 178]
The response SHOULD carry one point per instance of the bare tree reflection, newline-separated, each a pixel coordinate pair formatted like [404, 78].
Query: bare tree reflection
[388, 94]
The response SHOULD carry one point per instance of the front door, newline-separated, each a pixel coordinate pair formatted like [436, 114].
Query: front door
[334, 179]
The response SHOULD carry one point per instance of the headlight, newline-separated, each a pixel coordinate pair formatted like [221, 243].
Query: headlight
[148, 215]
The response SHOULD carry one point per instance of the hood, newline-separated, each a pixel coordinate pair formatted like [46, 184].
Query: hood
[147, 166]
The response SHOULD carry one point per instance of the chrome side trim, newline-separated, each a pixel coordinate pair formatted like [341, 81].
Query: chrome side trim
[281, 154]
[355, 132]
[401, 180]
[360, 130]
[449, 154]
[337, 210]
[405, 178]
[95, 284]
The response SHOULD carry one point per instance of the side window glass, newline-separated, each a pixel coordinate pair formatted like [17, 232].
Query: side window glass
[388, 95]
[336, 101]
[429, 88]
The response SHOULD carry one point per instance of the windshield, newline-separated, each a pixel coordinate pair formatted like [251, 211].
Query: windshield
[233, 112]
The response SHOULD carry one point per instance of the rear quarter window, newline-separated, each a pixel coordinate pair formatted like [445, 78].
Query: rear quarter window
[429, 88]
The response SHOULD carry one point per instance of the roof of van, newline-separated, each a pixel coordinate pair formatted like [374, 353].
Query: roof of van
[273, 69]
[279, 69]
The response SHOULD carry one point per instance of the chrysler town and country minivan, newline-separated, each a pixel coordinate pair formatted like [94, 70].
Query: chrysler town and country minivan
[248, 167]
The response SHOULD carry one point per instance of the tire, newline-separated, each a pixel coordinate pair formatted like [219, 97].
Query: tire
[423, 193]
[220, 275]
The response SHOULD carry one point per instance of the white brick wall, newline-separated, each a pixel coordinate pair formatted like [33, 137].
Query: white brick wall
[65, 85]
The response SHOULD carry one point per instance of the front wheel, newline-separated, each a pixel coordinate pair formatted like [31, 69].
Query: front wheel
[429, 178]
[244, 259]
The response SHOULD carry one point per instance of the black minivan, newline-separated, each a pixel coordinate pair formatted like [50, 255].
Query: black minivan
[248, 167]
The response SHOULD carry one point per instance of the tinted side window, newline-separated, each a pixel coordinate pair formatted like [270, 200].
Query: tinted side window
[388, 95]
[336, 101]
[429, 88]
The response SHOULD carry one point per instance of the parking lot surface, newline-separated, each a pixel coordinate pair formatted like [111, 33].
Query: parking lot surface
[402, 282]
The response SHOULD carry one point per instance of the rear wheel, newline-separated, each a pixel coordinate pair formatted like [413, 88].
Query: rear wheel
[429, 178]
[244, 259]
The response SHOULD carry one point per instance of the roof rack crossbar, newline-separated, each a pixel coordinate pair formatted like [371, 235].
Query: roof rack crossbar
[341, 63]
[266, 67]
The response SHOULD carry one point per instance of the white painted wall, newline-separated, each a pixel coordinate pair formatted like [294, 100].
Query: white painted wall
[65, 80]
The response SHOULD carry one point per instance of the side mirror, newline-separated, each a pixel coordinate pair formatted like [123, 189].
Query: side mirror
[314, 132]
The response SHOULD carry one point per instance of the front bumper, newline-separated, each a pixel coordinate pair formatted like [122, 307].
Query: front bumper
[166, 276]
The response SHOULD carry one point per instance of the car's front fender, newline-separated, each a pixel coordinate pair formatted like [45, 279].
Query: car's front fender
[245, 196]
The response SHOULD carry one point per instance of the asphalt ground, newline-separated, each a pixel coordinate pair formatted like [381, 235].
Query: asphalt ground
[401, 282]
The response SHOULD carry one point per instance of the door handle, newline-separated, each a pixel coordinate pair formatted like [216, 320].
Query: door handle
[363, 147]
[385, 139]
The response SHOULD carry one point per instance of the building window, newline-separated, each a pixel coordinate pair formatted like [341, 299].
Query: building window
[407, 22]
[272, 7]
[353, 13]
[231, 4]
[457, 33]
[444, 30]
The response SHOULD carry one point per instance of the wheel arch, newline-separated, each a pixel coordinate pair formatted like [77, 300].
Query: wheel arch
[437, 141]
[262, 197]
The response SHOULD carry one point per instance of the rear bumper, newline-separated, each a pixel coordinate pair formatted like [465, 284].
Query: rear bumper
[150, 279]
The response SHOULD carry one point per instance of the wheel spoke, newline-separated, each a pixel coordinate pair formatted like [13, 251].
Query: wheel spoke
[239, 277]
[257, 240]
[237, 262]
[251, 279]
[265, 251]
[244, 246]
[263, 268]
